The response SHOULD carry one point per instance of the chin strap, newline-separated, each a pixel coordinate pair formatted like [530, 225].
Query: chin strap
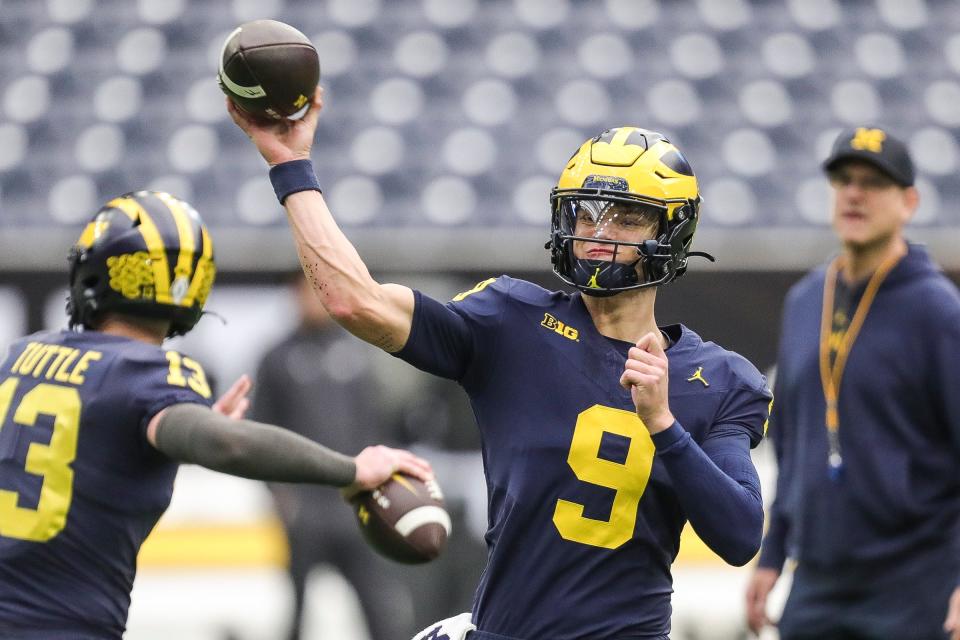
[701, 254]
[216, 315]
[598, 277]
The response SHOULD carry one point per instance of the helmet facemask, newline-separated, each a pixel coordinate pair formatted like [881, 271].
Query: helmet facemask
[657, 256]
[612, 237]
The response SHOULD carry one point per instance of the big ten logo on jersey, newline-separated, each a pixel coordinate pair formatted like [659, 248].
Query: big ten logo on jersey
[54, 362]
[558, 326]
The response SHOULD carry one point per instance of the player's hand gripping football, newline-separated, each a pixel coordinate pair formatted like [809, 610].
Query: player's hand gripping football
[376, 464]
[234, 403]
[280, 140]
[646, 374]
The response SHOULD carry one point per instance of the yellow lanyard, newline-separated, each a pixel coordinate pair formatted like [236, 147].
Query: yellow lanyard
[830, 376]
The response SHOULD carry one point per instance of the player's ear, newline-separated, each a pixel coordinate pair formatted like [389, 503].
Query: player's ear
[911, 201]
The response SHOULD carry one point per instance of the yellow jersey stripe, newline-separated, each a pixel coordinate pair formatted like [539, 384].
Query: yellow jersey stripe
[766, 423]
[155, 248]
[480, 286]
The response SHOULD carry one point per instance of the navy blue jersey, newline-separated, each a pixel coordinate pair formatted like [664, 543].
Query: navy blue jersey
[584, 521]
[80, 485]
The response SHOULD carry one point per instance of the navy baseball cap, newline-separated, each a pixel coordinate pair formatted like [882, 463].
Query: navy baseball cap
[877, 147]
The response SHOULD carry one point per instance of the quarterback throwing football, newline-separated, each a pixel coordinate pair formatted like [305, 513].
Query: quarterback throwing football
[603, 433]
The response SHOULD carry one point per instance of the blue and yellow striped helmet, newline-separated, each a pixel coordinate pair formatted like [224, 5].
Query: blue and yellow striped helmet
[640, 169]
[145, 254]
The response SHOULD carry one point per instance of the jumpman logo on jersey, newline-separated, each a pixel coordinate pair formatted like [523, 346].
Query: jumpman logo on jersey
[593, 280]
[698, 375]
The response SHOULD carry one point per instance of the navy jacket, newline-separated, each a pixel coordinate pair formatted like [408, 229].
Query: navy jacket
[899, 415]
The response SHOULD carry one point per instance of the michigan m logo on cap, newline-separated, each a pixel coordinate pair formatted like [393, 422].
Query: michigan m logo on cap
[868, 140]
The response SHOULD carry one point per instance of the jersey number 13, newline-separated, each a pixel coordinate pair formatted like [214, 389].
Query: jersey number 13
[51, 461]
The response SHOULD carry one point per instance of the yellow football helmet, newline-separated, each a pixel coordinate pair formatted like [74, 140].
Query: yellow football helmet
[144, 253]
[625, 166]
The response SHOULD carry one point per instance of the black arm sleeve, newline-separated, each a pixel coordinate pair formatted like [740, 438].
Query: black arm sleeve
[195, 434]
[718, 488]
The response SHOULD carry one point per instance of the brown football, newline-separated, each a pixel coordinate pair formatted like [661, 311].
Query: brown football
[269, 69]
[404, 519]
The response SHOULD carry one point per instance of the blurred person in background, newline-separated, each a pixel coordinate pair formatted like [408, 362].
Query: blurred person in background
[596, 448]
[321, 383]
[437, 423]
[94, 421]
[866, 424]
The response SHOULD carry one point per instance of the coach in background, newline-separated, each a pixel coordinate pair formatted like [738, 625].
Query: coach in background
[866, 425]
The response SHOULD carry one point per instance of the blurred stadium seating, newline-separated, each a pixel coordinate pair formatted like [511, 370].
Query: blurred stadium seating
[458, 114]
[446, 123]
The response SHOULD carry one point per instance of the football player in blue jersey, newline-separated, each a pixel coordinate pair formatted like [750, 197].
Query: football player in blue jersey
[93, 424]
[603, 433]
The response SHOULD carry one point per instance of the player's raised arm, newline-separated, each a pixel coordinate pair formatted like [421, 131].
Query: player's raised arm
[379, 314]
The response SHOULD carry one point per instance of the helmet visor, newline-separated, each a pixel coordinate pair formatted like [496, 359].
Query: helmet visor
[609, 221]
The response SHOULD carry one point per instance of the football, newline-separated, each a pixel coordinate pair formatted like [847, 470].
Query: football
[269, 69]
[404, 519]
